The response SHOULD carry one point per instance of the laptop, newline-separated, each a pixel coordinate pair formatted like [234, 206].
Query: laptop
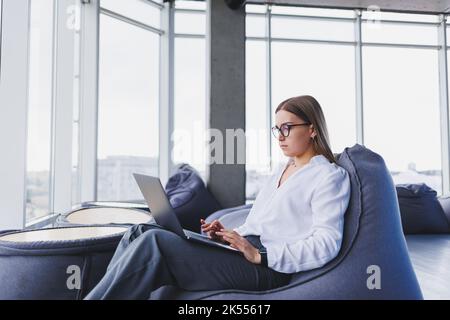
[163, 213]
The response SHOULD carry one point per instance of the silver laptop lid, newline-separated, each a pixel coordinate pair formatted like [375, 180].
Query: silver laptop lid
[158, 203]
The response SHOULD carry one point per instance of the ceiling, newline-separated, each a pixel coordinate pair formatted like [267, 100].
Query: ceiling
[418, 6]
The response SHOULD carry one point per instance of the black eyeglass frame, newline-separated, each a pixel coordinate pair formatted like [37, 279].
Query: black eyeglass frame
[278, 131]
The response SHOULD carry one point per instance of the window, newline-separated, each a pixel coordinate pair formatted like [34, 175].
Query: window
[190, 103]
[190, 22]
[315, 56]
[298, 66]
[401, 112]
[128, 131]
[255, 25]
[138, 10]
[39, 109]
[257, 118]
[311, 29]
[399, 33]
[326, 72]
[317, 12]
[191, 5]
[189, 137]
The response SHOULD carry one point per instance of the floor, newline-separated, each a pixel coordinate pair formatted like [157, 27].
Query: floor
[430, 255]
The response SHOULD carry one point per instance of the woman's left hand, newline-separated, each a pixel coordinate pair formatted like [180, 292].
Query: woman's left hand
[242, 244]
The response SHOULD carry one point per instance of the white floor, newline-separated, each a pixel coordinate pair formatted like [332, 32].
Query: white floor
[430, 255]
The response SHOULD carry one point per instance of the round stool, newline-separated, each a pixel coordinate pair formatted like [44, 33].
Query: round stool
[104, 216]
[55, 264]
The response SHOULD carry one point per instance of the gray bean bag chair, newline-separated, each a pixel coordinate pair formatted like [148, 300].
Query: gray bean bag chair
[373, 247]
[55, 263]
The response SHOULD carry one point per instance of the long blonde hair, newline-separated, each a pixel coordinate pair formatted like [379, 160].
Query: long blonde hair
[308, 109]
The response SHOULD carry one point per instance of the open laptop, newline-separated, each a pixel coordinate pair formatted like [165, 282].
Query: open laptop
[163, 213]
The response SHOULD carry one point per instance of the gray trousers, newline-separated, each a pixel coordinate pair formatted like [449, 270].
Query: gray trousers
[149, 257]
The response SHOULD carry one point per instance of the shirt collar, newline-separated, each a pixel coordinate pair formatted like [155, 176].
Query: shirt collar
[315, 160]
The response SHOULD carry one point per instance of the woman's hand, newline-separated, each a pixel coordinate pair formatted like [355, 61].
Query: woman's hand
[211, 229]
[243, 245]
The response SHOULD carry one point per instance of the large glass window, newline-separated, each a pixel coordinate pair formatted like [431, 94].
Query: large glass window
[400, 83]
[189, 137]
[138, 10]
[401, 112]
[190, 103]
[257, 118]
[39, 109]
[398, 33]
[326, 72]
[311, 29]
[190, 22]
[297, 67]
[128, 131]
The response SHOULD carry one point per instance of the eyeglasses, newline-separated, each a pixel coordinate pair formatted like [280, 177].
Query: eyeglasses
[285, 129]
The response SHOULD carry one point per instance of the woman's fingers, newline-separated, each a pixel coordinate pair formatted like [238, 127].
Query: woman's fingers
[231, 237]
[209, 228]
[213, 226]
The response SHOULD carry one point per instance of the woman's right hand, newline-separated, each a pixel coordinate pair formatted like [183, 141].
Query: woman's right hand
[211, 228]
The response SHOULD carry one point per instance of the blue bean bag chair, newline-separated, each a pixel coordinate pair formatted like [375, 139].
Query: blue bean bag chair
[189, 197]
[373, 262]
[55, 263]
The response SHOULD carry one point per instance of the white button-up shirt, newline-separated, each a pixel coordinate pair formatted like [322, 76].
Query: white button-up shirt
[301, 222]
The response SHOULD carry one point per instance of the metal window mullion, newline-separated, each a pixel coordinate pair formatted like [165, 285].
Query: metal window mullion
[316, 18]
[52, 116]
[88, 123]
[302, 17]
[194, 11]
[332, 42]
[444, 105]
[401, 45]
[166, 104]
[189, 36]
[416, 23]
[269, 82]
[348, 43]
[359, 81]
[63, 112]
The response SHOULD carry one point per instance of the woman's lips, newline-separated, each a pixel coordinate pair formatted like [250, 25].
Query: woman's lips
[283, 146]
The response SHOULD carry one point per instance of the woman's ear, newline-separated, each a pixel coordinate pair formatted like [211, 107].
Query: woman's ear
[313, 131]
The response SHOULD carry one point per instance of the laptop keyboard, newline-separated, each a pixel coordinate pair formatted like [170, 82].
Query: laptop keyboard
[192, 234]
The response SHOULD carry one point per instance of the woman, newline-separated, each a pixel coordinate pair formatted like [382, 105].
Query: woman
[295, 224]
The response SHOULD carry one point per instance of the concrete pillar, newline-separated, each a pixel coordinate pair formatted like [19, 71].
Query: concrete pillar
[225, 41]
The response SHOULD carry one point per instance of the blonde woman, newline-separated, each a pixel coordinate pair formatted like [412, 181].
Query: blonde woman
[295, 224]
